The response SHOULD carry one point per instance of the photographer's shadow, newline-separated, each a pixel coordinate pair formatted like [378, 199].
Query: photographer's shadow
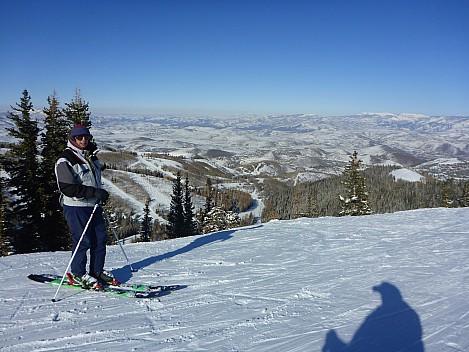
[393, 326]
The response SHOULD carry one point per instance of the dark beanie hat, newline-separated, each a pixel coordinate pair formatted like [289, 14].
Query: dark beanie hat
[79, 130]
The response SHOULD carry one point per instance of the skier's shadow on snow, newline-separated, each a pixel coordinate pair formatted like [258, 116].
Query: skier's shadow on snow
[393, 326]
[124, 274]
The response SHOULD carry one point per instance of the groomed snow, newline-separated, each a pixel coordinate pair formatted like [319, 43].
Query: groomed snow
[407, 175]
[279, 286]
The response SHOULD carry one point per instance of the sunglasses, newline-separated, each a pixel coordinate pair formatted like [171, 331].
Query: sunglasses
[79, 138]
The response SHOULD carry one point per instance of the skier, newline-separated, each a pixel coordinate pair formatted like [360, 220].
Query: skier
[78, 173]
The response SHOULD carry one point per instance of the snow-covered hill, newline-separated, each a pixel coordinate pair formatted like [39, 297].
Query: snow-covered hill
[279, 286]
[310, 146]
[407, 175]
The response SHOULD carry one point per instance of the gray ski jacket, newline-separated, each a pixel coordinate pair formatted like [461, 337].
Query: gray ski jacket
[78, 175]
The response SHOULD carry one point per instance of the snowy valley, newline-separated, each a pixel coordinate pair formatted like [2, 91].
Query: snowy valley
[296, 147]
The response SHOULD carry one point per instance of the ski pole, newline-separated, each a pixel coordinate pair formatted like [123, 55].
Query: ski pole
[74, 253]
[117, 240]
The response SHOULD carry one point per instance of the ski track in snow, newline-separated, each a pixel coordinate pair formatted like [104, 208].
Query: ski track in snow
[279, 286]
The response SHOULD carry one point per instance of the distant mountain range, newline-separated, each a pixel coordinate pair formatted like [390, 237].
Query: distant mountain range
[299, 147]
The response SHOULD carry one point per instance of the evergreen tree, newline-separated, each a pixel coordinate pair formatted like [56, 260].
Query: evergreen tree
[209, 204]
[218, 219]
[312, 205]
[297, 205]
[77, 111]
[209, 196]
[175, 227]
[112, 224]
[146, 229]
[181, 212]
[158, 231]
[465, 195]
[189, 223]
[24, 184]
[356, 202]
[5, 236]
[7, 241]
[54, 139]
[446, 194]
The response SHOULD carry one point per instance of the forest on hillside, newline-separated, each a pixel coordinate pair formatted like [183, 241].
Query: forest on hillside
[385, 195]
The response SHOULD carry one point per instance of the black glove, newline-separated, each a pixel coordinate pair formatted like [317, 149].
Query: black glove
[101, 195]
[92, 148]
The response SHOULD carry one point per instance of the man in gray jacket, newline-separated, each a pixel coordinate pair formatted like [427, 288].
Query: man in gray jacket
[78, 173]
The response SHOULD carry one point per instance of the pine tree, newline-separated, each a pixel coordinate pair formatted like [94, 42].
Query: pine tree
[158, 231]
[209, 204]
[312, 205]
[77, 111]
[218, 219]
[146, 229]
[297, 205]
[175, 227]
[24, 184]
[446, 194]
[181, 212]
[214, 217]
[190, 227]
[112, 222]
[54, 139]
[465, 195]
[5, 236]
[209, 197]
[356, 202]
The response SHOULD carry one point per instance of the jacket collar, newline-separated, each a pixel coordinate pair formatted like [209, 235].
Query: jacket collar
[76, 149]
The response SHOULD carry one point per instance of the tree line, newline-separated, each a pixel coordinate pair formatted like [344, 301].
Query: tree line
[361, 192]
[30, 213]
[216, 215]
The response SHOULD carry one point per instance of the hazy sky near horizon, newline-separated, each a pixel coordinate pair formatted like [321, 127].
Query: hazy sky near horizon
[331, 57]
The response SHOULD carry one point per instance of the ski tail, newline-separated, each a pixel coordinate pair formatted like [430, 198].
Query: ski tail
[125, 290]
[43, 278]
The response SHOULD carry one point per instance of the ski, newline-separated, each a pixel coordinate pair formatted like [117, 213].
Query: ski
[145, 288]
[124, 290]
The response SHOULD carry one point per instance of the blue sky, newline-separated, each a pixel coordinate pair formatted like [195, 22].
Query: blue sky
[331, 57]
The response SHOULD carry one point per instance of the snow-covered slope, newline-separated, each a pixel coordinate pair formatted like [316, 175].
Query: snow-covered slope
[279, 286]
[407, 175]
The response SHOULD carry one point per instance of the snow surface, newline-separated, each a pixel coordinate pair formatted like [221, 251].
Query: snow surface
[278, 286]
[407, 175]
